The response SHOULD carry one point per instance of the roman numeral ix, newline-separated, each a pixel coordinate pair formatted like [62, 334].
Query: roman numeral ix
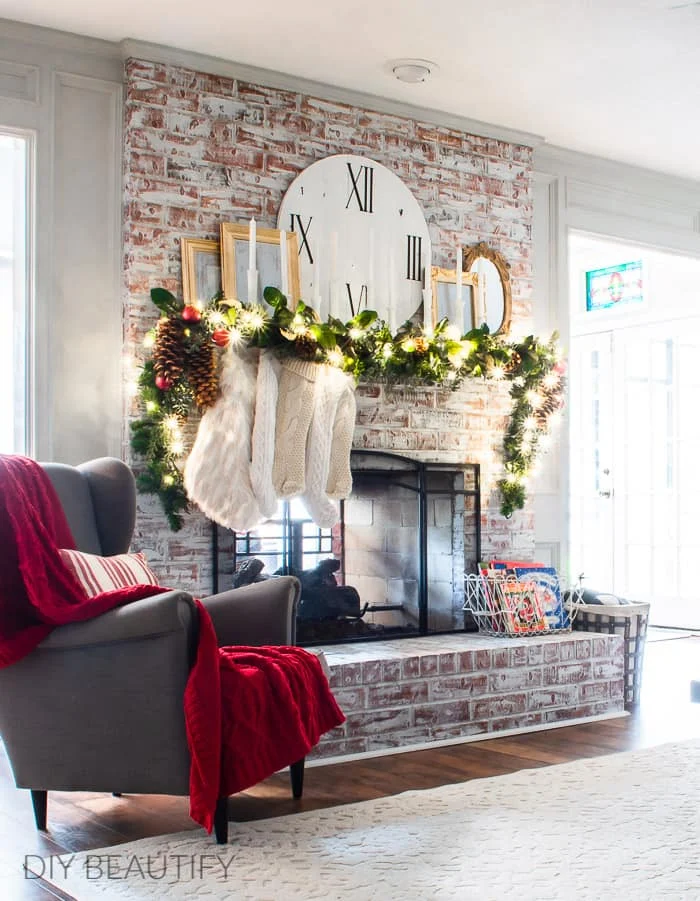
[362, 188]
[413, 257]
[303, 232]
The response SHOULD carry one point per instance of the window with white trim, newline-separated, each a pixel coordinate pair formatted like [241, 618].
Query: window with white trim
[15, 156]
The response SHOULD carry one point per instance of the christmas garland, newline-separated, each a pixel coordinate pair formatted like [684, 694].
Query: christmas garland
[181, 376]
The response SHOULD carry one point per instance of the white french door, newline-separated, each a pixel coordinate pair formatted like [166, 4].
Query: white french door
[591, 417]
[635, 459]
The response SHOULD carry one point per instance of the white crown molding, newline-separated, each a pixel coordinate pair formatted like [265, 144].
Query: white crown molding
[58, 40]
[213, 65]
[625, 176]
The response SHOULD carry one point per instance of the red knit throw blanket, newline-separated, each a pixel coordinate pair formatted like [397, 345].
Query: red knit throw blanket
[248, 711]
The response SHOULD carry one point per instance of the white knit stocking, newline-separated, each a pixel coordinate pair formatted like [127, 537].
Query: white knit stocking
[294, 410]
[330, 385]
[263, 446]
[339, 484]
[217, 472]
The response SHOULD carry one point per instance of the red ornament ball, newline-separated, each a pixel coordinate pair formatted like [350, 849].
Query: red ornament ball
[220, 337]
[191, 314]
[163, 383]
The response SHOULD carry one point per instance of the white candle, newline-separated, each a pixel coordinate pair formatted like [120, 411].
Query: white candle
[427, 290]
[252, 249]
[252, 286]
[284, 264]
[459, 312]
[333, 281]
[391, 312]
[483, 312]
[370, 272]
[317, 285]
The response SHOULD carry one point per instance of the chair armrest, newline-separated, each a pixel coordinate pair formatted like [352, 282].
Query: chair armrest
[171, 611]
[98, 705]
[257, 614]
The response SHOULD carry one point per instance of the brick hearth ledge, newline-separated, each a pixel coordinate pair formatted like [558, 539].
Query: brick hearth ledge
[399, 695]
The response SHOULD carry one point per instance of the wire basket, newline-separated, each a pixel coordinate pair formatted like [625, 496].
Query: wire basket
[533, 604]
[630, 621]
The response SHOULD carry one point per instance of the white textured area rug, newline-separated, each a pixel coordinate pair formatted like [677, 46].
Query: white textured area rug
[624, 826]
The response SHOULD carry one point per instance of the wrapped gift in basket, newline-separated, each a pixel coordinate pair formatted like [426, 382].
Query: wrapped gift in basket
[518, 598]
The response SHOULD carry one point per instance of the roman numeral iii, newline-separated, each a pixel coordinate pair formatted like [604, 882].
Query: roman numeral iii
[361, 188]
[413, 257]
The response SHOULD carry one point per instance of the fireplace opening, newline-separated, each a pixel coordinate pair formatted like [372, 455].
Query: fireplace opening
[392, 567]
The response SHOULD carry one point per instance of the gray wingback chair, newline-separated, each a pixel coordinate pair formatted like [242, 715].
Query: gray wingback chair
[98, 705]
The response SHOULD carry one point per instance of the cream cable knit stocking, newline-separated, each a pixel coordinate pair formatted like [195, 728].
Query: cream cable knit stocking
[339, 484]
[263, 446]
[329, 388]
[217, 471]
[294, 410]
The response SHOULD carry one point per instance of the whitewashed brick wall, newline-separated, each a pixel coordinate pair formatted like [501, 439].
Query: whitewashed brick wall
[203, 149]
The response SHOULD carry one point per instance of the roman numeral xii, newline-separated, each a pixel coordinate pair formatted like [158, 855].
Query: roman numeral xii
[361, 188]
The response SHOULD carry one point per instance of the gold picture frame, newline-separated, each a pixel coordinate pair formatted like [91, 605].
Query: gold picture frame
[496, 296]
[235, 250]
[201, 270]
[444, 297]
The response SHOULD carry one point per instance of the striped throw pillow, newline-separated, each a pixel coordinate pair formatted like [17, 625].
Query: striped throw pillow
[98, 574]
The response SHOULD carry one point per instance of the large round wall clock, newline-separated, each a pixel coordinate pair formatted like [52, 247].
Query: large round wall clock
[363, 239]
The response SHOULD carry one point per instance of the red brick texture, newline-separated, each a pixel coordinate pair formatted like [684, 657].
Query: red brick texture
[203, 149]
[424, 694]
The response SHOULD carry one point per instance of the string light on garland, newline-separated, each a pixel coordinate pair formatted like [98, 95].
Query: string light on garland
[181, 375]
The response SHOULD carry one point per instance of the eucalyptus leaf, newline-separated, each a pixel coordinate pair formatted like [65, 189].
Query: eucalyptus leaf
[165, 301]
[324, 335]
[274, 297]
[366, 318]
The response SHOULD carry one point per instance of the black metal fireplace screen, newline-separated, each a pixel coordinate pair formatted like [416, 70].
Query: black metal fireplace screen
[393, 566]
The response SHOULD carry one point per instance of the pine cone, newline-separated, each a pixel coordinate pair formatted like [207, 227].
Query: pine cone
[169, 349]
[203, 376]
[305, 347]
[513, 363]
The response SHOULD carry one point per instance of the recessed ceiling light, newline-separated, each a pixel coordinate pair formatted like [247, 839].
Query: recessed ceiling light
[412, 71]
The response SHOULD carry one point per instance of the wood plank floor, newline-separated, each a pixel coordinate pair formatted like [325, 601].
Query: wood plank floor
[81, 821]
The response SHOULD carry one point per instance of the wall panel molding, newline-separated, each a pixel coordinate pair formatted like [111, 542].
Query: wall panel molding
[86, 267]
[19, 81]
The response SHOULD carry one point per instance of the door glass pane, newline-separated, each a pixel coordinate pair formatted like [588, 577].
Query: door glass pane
[13, 292]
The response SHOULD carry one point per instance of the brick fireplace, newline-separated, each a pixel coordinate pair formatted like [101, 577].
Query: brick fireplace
[203, 149]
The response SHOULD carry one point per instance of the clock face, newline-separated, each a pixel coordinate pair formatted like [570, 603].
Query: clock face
[363, 239]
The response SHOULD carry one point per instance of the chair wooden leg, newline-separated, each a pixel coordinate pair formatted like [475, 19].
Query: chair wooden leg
[296, 775]
[40, 799]
[221, 821]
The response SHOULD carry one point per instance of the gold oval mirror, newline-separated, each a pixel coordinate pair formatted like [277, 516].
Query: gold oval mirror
[494, 301]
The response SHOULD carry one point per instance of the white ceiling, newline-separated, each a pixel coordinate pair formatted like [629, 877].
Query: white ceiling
[616, 78]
